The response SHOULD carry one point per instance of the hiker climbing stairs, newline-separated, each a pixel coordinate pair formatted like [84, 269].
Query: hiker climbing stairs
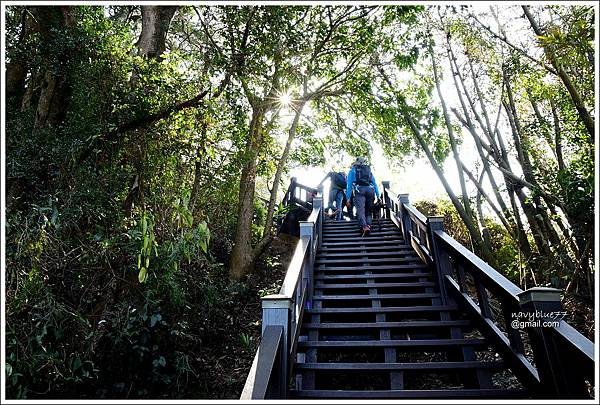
[377, 328]
[405, 312]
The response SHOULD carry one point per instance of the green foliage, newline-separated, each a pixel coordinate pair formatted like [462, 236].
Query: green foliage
[47, 343]
[120, 215]
[453, 224]
[511, 262]
[246, 342]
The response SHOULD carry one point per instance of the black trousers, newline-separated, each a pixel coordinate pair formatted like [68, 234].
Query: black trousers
[363, 201]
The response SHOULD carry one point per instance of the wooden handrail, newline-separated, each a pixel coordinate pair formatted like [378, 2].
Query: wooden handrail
[419, 219]
[286, 309]
[491, 278]
[292, 276]
[581, 344]
[564, 357]
[259, 382]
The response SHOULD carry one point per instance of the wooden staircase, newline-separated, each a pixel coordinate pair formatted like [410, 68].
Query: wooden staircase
[377, 328]
[406, 312]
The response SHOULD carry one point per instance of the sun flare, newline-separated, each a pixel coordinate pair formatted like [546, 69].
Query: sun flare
[285, 99]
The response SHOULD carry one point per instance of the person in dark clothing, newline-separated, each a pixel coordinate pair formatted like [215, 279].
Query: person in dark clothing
[361, 182]
[337, 186]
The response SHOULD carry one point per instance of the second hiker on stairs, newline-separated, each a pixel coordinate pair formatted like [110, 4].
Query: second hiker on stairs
[362, 185]
[336, 193]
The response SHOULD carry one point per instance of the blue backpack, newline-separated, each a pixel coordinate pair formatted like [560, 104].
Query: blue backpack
[363, 175]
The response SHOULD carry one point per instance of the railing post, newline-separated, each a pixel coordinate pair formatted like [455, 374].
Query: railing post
[404, 217]
[307, 229]
[386, 198]
[439, 255]
[276, 312]
[293, 183]
[542, 304]
[318, 204]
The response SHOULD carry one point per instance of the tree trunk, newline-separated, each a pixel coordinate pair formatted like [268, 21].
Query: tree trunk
[478, 244]
[54, 97]
[279, 171]
[452, 138]
[155, 26]
[557, 137]
[242, 255]
[584, 114]
[541, 214]
[16, 69]
[512, 227]
[199, 164]
[52, 105]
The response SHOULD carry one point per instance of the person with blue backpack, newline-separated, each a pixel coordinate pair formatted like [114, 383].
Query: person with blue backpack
[361, 184]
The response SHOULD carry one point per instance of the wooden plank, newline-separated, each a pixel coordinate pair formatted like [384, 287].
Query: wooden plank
[410, 266]
[364, 276]
[370, 242]
[366, 260]
[355, 228]
[294, 271]
[499, 285]
[415, 309]
[378, 270]
[370, 248]
[322, 286]
[353, 222]
[295, 334]
[418, 343]
[366, 255]
[373, 237]
[418, 265]
[308, 376]
[416, 216]
[259, 379]
[381, 296]
[358, 234]
[523, 369]
[436, 365]
[408, 394]
[384, 227]
[406, 324]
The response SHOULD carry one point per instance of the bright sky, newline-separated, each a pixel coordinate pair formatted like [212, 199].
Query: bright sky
[418, 179]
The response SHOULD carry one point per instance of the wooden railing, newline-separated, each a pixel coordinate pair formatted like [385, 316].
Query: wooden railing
[297, 195]
[550, 361]
[282, 313]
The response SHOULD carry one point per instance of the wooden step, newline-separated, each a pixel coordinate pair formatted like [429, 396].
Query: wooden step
[369, 248]
[358, 238]
[408, 394]
[354, 221]
[389, 253]
[374, 296]
[426, 344]
[355, 233]
[368, 242]
[415, 309]
[344, 224]
[366, 260]
[394, 267]
[318, 276]
[436, 365]
[321, 286]
[386, 325]
[386, 225]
